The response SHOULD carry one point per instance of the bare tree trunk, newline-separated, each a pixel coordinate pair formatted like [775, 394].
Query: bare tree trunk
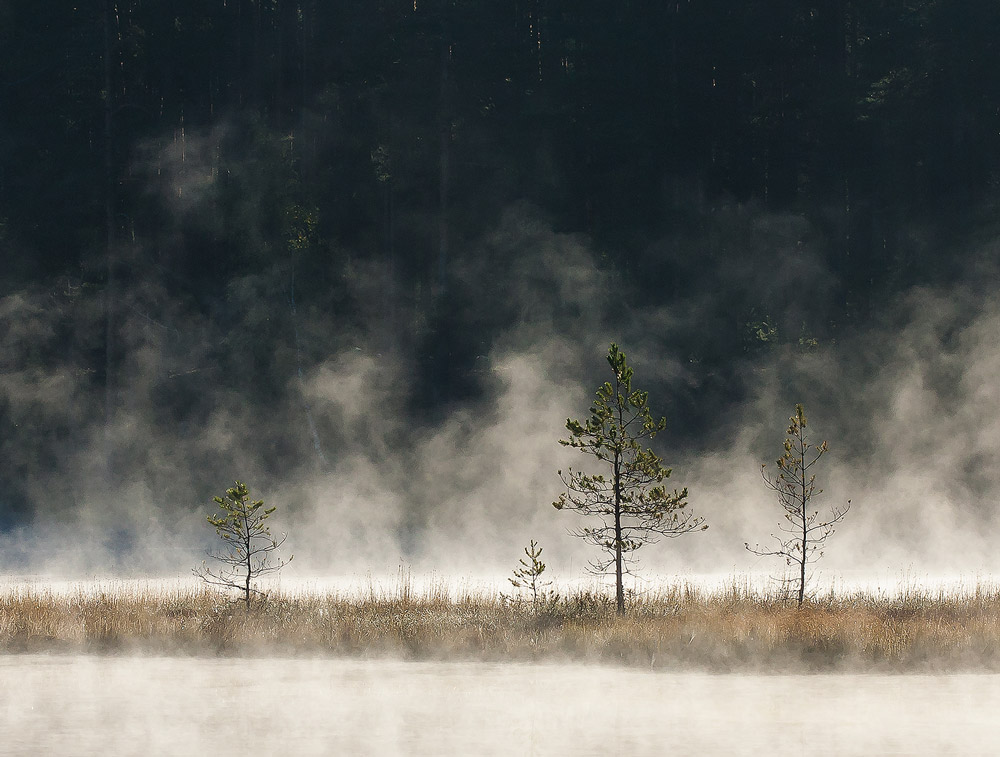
[442, 386]
[248, 542]
[619, 587]
[804, 502]
[444, 155]
[109, 222]
[802, 569]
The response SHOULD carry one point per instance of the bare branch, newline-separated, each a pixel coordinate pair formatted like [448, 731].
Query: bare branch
[806, 531]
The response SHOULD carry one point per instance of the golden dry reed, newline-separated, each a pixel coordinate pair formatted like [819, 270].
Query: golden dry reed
[680, 626]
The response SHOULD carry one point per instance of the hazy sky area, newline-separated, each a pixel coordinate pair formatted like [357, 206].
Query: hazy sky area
[369, 261]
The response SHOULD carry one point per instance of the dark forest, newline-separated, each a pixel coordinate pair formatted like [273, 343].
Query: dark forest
[203, 203]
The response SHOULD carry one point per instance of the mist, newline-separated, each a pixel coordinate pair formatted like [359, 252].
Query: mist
[369, 259]
[365, 481]
[385, 707]
[373, 278]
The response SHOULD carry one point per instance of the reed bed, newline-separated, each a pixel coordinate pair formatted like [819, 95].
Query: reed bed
[678, 626]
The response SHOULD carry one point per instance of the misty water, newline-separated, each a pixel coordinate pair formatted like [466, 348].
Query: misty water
[107, 705]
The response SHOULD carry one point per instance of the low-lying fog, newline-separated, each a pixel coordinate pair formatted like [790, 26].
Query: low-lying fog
[392, 584]
[84, 706]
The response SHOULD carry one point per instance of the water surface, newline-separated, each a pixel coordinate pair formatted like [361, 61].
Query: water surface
[93, 705]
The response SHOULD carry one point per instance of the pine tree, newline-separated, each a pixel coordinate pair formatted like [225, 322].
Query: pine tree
[803, 533]
[249, 545]
[528, 576]
[629, 500]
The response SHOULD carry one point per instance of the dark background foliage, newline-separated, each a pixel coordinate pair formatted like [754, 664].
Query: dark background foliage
[216, 196]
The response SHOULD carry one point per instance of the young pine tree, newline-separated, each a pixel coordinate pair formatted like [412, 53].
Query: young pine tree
[529, 575]
[627, 500]
[249, 546]
[803, 533]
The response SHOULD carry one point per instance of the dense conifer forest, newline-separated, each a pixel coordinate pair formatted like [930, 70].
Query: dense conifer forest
[202, 202]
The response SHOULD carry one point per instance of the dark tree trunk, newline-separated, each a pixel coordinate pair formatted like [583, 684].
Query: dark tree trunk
[444, 156]
[617, 472]
[805, 522]
[619, 586]
[109, 223]
[248, 542]
[443, 367]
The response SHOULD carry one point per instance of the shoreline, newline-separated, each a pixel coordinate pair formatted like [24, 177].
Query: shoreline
[679, 627]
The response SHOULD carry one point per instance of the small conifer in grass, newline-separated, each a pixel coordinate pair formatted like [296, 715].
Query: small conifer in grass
[529, 575]
[627, 500]
[249, 546]
[803, 533]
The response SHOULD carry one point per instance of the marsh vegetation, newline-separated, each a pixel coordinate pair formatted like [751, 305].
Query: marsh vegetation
[678, 626]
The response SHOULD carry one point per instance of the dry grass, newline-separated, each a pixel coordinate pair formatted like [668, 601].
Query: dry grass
[680, 626]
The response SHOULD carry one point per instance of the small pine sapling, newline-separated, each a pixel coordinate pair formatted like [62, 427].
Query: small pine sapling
[528, 576]
[249, 545]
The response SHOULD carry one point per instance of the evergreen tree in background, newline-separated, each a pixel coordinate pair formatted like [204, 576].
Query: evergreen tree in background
[628, 499]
